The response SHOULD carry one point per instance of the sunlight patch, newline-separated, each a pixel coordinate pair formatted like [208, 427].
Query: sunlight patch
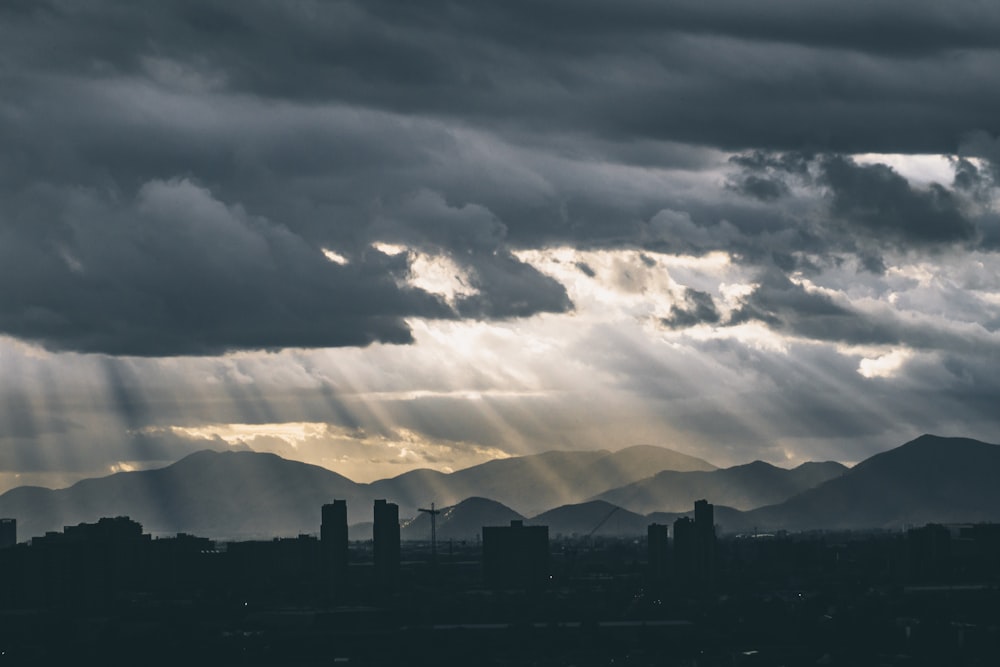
[292, 433]
[921, 169]
[359, 454]
[631, 283]
[885, 366]
[335, 257]
[439, 274]
[436, 273]
[391, 249]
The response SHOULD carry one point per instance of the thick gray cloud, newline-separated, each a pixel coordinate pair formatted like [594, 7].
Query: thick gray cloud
[175, 271]
[698, 308]
[789, 308]
[835, 77]
[827, 206]
[876, 199]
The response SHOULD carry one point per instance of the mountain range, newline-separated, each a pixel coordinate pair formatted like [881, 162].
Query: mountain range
[535, 483]
[743, 487]
[927, 480]
[239, 495]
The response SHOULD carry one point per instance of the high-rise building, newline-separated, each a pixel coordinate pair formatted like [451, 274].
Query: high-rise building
[385, 534]
[657, 551]
[333, 542]
[704, 514]
[928, 553]
[685, 557]
[694, 547]
[704, 527]
[515, 555]
[8, 533]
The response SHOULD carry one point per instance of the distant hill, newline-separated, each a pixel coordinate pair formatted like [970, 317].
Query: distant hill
[596, 516]
[218, 494]
[532, 484]
[930, 479]
[362, 530]
[245, 494]
[743, 487]
[463, 521]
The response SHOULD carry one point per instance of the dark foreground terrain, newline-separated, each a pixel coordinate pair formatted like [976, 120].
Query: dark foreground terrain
[928, 596]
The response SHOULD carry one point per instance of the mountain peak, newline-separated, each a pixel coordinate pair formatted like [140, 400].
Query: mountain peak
[461, 521]
[936, 446]
[931, 440]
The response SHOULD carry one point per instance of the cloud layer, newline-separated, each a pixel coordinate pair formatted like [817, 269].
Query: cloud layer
[769, 208]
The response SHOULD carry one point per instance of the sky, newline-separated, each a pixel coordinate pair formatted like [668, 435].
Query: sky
[384, 235]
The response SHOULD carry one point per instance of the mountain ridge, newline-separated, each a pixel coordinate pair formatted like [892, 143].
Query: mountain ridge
[744, 487]
[921, 481]
[239, 495]
[259, 494]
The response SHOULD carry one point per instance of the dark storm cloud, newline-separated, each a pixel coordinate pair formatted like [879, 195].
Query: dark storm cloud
[827, 206]
[764, 189]
[789, 308]
[877, 199]
[698, 308]
[177, 272]
[855, 77]
[785, 305]
[522, 290]
[836, 77]
[171, 171]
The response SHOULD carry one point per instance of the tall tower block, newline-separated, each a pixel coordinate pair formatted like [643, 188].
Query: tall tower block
[385, 535]
[8, 533]
[333, 542]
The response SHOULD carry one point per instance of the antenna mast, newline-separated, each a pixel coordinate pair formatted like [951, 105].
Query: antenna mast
[433, 512]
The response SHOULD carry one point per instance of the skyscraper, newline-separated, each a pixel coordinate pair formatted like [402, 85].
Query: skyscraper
[333, 542]
[694, 547]
[685, 557]
[704, 528]
[8, 533]
[385, 534]
[657, 551]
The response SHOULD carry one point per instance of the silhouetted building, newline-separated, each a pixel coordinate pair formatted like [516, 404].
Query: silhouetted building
[333, 538]
[8, 533]
[282, 568]
[704, 528]
[515, 555]
[385, 542]
[92, 564]
[657, 551]
[928, 553]
[684, 556]
[694, 547]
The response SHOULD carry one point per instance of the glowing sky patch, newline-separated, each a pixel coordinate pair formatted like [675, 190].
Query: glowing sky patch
[335, 256]
[885, 366]
[361, 455]
[922, 169]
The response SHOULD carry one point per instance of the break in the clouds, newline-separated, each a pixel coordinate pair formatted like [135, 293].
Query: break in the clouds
[435, 234]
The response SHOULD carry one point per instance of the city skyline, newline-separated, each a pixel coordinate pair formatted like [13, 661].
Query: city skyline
[376, 238]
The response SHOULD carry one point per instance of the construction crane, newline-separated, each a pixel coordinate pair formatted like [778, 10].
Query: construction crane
[599, 523]
[433, 512]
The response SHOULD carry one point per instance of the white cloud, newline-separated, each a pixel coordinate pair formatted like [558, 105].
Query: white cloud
[886, 366]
